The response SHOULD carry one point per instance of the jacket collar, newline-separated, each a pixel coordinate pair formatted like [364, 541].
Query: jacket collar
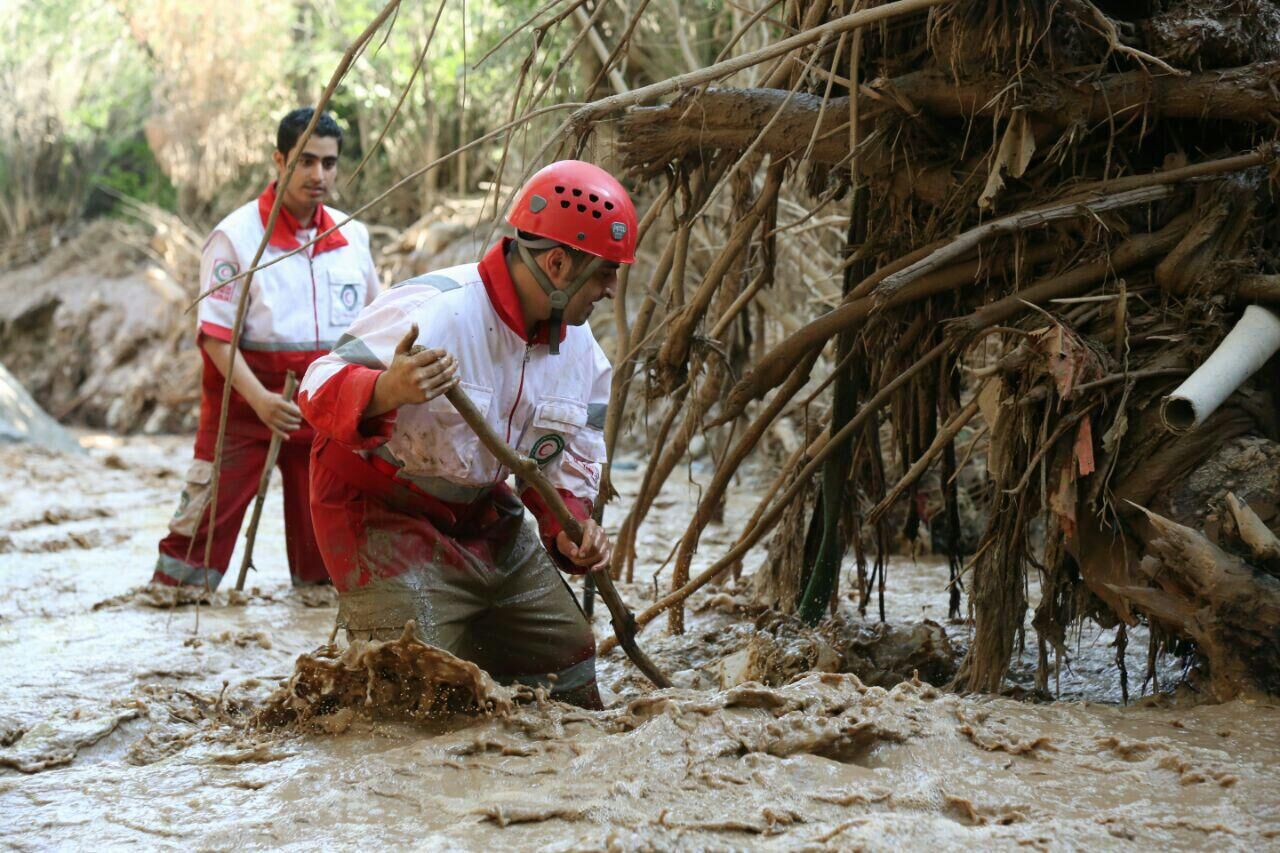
[503, 297]
[284, 235]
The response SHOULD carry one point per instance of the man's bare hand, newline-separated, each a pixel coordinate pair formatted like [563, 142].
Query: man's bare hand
[280, 416]
[419, 376]
[594, 552]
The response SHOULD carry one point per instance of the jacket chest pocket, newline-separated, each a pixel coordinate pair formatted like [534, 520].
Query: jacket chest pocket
[452, 445]
[557, 424]
[345, 294]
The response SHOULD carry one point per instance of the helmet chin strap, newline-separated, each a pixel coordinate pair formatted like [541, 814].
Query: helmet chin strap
[559, 297]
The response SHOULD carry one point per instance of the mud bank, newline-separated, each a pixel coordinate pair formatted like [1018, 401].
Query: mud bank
[125, 720]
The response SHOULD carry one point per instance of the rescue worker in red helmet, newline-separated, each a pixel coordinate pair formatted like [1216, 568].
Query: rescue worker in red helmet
[296, 309]
[413, 515]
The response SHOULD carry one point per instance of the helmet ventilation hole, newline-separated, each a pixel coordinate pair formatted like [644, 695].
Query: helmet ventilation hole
[582, 208]
[608, 205]
[594, 197]
[559, 189]
[577, 192]
[595, 214]
[564, 204]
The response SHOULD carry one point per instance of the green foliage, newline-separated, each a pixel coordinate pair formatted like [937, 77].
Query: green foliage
[130, 169]
[75, 85]
[166, 101]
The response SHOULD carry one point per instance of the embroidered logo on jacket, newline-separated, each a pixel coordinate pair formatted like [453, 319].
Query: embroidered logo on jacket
[344, 302]
[547, 448]
[349, 297]
[224, 271]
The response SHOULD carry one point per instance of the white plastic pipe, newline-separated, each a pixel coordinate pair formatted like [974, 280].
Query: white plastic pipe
[1245, 349]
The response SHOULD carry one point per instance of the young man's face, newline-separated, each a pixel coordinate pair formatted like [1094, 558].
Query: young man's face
[315, 174]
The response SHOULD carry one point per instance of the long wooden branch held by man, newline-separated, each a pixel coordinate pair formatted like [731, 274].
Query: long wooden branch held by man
[273, 453]
[624, 624]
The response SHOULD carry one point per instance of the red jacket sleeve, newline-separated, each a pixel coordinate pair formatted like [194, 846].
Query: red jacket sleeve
[213, 330]
[549, 526]
[335, 409]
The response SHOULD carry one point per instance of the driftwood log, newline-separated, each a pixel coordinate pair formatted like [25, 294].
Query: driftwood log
[1230, 607]
[726, 118]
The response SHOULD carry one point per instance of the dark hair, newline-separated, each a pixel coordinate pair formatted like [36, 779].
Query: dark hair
[292, 125]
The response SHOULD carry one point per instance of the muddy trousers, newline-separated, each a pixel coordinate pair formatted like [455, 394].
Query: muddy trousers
[181, 559]
[516, 618]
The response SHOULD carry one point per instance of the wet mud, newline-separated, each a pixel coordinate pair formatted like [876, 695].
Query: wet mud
[137, 717]
[401, 679]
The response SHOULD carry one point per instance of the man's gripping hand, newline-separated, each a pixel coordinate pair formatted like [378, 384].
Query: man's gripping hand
[417, 377]
[280, 416]
[595, 551]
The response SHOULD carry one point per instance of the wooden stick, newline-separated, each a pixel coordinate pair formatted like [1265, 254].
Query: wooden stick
[590, 112]
[959, 247]
[1079, 279]
[273, 453]
[602, 53]
[611, 61]
[404, 94]
[624, 624]
[940, 441]
[750, 537]
[1120, 193]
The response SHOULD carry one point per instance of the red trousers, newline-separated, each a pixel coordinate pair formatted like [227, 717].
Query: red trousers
[181, 559]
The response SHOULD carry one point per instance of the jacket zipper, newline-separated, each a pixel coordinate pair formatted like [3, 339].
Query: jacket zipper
[520, 393]
[528, 350]
[315, 305]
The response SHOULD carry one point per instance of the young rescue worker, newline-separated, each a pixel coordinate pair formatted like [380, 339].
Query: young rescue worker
[414, 516]
[297, 309]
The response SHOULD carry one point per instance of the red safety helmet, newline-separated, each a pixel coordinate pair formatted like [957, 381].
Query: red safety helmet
[580, 205]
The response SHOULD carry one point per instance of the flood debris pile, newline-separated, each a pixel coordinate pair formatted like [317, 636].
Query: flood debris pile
[1043, 217]
[401, 679]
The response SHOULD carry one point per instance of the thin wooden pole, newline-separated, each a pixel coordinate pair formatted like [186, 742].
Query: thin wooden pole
[273, 453]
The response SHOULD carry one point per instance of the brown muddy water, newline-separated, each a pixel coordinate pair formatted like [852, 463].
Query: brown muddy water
[123, 723]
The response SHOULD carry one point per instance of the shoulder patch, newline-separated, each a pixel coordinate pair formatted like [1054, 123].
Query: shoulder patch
[352, 350]
[441, 283]
[223, 271]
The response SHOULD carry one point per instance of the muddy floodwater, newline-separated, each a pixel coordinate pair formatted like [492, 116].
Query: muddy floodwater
[122, 720]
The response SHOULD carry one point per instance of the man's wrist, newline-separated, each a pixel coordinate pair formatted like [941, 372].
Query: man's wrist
[384, 398]
[258, 398]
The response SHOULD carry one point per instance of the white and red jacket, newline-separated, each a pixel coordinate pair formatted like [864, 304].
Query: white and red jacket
[297, 308]
[550, 408]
